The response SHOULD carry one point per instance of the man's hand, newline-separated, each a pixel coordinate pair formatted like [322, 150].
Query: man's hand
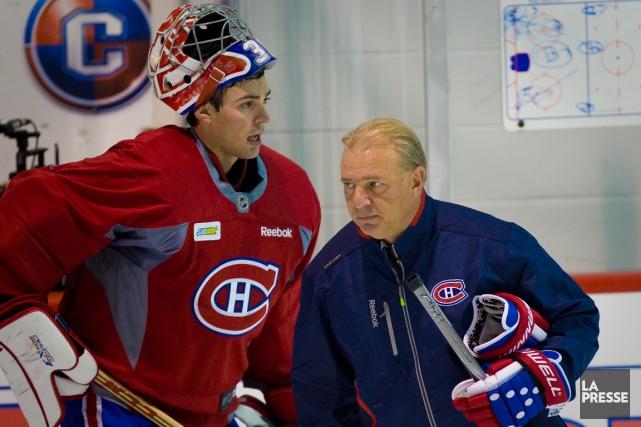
[516, 390]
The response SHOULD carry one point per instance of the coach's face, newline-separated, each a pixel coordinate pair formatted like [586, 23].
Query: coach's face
[382, 196]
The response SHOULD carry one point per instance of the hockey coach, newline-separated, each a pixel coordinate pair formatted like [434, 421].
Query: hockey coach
[365, 350]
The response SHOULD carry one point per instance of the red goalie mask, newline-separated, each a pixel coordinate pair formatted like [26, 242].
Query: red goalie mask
[200, 49]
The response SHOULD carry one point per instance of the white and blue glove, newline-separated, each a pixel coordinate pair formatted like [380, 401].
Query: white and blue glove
[521, 381]
[515, 391]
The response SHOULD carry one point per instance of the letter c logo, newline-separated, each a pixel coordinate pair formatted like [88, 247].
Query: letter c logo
[89, 55]
[75, 34]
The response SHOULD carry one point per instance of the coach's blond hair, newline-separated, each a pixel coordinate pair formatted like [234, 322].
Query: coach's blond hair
[386, 130]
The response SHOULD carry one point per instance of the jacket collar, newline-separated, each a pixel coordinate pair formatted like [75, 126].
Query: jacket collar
[412, 241]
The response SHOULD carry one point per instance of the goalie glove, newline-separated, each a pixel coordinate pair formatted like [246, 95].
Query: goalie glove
[516, 390]
[42, 363]
[502, 324]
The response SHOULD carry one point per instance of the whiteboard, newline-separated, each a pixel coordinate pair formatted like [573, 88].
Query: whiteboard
[571, 64]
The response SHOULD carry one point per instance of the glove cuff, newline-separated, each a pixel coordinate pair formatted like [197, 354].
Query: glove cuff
[545, 368]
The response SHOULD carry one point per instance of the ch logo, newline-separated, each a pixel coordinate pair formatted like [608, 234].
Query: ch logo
[234, 297]
[89, 55]
[449, 292]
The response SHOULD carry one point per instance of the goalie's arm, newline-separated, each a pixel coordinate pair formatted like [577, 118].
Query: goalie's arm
[53, 219]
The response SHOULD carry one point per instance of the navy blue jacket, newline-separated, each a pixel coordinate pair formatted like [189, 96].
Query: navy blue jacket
[360, 335]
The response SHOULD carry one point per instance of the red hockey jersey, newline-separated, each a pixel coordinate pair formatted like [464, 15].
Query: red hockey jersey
[177, 283]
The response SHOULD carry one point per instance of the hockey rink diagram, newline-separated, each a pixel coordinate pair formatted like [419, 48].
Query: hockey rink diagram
[571, 60]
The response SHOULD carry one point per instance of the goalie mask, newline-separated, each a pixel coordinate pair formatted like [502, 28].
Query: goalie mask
[200, 49]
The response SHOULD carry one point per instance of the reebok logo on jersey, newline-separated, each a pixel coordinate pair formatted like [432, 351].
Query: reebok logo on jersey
[372, 313]
[206, 231]
[276, 232]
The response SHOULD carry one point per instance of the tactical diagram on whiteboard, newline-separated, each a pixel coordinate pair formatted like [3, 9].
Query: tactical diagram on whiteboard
[571, 64]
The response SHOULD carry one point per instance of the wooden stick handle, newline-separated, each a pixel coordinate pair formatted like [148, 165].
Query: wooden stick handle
[135, 402]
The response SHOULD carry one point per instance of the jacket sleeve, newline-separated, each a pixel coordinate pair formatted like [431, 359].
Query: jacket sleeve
[270, 354]
[53, 219]
[323, 378]
[573, 316]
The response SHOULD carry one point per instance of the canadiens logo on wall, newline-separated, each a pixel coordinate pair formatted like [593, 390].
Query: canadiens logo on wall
[233, 298]
[89, 54]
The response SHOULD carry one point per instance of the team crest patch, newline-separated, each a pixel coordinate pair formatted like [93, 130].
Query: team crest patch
[234, 297]
[449, 292]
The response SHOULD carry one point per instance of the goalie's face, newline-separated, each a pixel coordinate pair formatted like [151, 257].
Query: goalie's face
[382, 196]
[234, 132]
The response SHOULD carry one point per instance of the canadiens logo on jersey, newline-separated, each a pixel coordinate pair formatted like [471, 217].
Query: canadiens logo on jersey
[89, 54]
[234, 297]
[449, 292]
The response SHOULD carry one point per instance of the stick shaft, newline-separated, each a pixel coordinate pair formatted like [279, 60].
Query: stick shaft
[419, 289]
[134, 402]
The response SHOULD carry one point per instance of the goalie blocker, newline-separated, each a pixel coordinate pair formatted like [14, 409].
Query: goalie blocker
[42, 361]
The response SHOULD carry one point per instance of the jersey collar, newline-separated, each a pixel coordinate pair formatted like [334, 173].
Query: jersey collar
[242, 200]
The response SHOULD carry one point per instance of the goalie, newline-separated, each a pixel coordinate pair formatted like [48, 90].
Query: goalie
[183, 250]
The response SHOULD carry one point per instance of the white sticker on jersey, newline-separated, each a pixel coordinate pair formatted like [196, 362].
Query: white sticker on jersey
[207, 231]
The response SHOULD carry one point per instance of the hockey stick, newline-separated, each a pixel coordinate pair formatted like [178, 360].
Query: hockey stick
[134, 402]
[415, 283]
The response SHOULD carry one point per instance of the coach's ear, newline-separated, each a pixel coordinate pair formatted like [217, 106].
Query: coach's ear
[418, 179]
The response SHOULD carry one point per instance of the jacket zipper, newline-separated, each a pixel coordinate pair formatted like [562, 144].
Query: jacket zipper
[390, 328]
[399, 272]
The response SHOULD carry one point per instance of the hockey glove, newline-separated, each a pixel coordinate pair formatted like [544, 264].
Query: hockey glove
[42, 362]
[502, 324]
[516, 390]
